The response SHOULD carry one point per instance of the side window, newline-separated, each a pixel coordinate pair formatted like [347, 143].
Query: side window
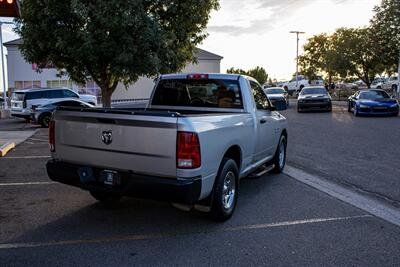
[52, 94]
[34, 95]
[68, 93]
[259, 96]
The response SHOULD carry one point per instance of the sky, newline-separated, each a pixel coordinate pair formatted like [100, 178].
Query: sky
[249, 33]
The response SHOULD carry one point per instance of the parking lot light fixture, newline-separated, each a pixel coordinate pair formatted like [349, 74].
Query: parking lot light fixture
[3, 64]
[297, 57]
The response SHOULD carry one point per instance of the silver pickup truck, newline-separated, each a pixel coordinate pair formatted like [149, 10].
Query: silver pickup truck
[198, 136]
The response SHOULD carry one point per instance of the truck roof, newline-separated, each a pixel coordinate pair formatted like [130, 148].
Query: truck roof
[210, 76]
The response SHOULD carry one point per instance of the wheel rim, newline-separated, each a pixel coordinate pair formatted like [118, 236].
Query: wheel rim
[46, 121]
[229, 190]
[281, 154]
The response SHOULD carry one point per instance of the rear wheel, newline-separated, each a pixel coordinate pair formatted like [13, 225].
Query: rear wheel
[45, 120]
[105, 197]
[349, 107]
[225, 192]
[279, 159]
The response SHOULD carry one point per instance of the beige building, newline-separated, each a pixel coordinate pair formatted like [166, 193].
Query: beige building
[22, 75]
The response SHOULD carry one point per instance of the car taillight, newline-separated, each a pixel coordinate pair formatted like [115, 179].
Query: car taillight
[188, 151]
[197, 76]
[52, 136]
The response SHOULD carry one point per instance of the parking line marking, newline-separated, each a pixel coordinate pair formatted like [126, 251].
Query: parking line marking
[28, 183]
[152, 236]
[28, 157]
[359, 200]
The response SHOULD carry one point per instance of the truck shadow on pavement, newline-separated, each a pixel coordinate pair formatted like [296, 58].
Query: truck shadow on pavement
[139, 217]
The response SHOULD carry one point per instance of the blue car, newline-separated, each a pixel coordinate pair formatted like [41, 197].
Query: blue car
[373, 102]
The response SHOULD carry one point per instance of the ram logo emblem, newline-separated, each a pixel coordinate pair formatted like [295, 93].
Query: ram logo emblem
[106, 137]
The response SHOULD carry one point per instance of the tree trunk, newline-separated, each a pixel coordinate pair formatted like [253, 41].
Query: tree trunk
[106, 94]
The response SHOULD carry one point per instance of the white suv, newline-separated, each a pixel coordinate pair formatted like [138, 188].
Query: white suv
[23, 100]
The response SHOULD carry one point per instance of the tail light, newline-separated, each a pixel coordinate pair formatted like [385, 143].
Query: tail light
[188, 151]
[52, 136]
[197, 76]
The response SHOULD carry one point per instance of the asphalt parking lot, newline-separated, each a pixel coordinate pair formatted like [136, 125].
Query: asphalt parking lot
[279, 221]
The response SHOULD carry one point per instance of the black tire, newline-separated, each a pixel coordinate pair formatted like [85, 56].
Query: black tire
[280, 165]
[329, 109]
[220, 210]
[349, 107]
[44, 120]
[105, 197]
[299, 110]
[355, 111]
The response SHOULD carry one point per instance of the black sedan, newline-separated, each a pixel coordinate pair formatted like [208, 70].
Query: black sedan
[42, 114]
[278, 97]
[314, 98]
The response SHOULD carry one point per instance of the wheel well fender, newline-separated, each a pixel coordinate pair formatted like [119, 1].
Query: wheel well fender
[235, 153]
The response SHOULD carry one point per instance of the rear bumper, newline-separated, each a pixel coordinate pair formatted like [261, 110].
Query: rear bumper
[140, 186]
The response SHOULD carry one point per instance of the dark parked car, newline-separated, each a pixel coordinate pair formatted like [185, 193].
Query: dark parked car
[278, 97]
[314, 98]
[42, 114]
[373, 102]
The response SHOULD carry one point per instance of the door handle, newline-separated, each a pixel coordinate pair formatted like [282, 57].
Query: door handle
[263, 120]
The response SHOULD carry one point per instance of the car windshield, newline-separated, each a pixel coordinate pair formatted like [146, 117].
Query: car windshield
[274, 91]
[207, 93]
[374, 95]
[313, 91]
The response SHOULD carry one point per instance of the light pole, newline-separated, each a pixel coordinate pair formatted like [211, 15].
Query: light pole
[297, 57]
[3, 70]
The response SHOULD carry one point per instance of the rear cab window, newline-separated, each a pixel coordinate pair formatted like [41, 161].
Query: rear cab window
[205, 93]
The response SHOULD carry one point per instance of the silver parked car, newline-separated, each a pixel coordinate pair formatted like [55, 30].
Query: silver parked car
[42, 114]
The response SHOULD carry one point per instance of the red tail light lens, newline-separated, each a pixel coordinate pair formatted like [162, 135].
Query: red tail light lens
[197, 76]
[188, 151]
[52, 136]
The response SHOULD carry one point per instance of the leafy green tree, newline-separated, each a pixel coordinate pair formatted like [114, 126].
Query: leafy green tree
[386, 28]
[346, 53]
[258, 73]
[112, 41]
[318, 57]
[355, 54]
[236, 71]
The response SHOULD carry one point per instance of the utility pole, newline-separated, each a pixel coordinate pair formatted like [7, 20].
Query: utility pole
[297, 57]
[3, 70]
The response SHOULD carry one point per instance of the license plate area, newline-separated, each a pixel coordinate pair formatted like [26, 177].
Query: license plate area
[110, 178]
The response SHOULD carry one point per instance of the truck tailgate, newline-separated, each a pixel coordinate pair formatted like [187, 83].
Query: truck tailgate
[139, 143]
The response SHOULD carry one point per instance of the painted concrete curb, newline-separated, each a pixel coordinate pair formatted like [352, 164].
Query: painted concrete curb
[4, 149]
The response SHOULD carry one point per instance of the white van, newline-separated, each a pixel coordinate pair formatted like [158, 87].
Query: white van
[23, 100]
